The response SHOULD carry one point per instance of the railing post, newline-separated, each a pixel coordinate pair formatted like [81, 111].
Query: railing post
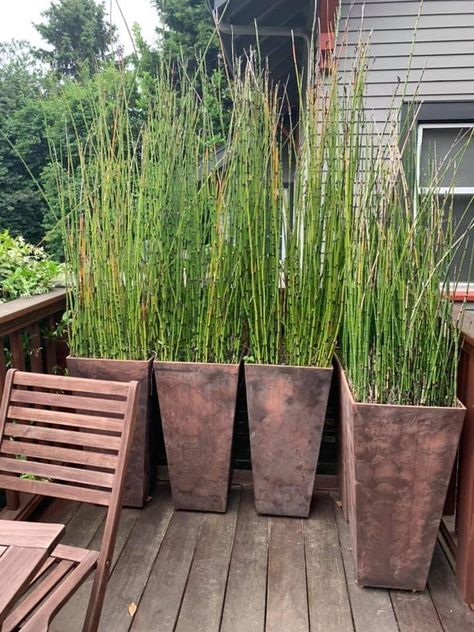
[20, 317]
[465, 505]
[50, 346]
[36, 357]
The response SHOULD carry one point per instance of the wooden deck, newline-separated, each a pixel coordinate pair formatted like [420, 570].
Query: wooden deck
[240, 572]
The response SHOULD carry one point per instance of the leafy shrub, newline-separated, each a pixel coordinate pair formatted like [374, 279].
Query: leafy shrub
[24, 269]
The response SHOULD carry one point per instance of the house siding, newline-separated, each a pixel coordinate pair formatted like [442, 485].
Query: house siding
[440, 44]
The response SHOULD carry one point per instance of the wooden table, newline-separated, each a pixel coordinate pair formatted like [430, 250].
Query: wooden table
[24, 546]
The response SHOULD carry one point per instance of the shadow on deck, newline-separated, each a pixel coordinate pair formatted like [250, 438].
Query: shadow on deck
[241, 572]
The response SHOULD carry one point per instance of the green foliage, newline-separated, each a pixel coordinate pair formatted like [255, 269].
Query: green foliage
[21, 203]
[38, 109]
[188, 32]
[289, 232]
[79, 34]
[24, 269]
[197, 314]
[68, 113]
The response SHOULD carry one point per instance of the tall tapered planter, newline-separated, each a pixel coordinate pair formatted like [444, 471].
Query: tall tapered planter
[197, 406]
[398, 462]
[286, 408]
[138, 479]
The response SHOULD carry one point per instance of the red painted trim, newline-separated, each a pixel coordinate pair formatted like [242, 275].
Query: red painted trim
[460, 295]
[326, 40]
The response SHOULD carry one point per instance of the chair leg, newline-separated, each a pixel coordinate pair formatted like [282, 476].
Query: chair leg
[97, 596]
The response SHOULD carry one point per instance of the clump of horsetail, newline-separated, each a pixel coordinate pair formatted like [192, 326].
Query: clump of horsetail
[150, 254]
[197, 306]
[399, 343]
[254, 193]
[314, 260]
[286, 190]
[104, 231]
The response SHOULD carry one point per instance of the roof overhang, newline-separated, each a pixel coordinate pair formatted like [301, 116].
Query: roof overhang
[284, 29]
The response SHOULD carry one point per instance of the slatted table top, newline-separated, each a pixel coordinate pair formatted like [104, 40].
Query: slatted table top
[24, 546]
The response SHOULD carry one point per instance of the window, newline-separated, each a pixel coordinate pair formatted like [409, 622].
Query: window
[446, 150]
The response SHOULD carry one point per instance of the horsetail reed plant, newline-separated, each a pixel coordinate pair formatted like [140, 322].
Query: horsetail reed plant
[399, 343]
[293, 237]
[255, 197]
[149, 249]
[197, 288]
[104, 226]
[326, 152]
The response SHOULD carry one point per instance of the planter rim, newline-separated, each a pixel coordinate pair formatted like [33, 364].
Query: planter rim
[460, 406]
[184, 363]
[73, 357]
[289, 366]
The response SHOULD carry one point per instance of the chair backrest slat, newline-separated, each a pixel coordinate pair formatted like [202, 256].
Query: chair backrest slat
[74, 402]
[17, 430]
[60, 455]
[51, 471]
[63, 437]
[56, 490]
[59, 418]
[72, 384]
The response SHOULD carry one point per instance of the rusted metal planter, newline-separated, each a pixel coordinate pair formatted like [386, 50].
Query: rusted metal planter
[138, 481]
[398, 463]
[287, 408]
[197, 406]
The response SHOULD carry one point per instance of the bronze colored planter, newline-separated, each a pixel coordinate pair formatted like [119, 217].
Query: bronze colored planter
[138, 480]
[197, 406]
[398, 463]
[287, 408]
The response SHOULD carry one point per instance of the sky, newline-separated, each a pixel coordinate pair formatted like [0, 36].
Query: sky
[18, 15]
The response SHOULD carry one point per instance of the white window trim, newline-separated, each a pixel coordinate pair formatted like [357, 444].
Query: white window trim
[439, 190]
[449, 190]
[461, 286]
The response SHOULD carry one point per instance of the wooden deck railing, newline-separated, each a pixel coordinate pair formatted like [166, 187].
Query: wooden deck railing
[463, 541]
[28, 343]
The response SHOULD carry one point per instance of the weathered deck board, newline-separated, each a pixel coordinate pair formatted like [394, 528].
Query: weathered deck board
[245, 601]
[130, 575]
[164, 592]
[455, 617]
[241, 572]
[287, 600]
[415, 611]
[83, 525]
[59, 511]
[72, 614]
[372, 609]
[328, 599]
[205, 591]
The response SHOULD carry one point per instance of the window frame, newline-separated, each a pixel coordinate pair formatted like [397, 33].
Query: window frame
[439, 190]
[441, 114]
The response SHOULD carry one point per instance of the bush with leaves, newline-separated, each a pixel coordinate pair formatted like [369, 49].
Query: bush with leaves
[24, 269]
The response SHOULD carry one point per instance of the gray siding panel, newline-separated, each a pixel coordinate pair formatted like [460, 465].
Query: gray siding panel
[390, 8]
[442, 62]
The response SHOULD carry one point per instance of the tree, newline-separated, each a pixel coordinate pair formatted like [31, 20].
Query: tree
[69, 114]
[21, 203]
[189, 30]
[80, 37]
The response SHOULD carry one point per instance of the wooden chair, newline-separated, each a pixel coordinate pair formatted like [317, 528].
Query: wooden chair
[67, 438]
